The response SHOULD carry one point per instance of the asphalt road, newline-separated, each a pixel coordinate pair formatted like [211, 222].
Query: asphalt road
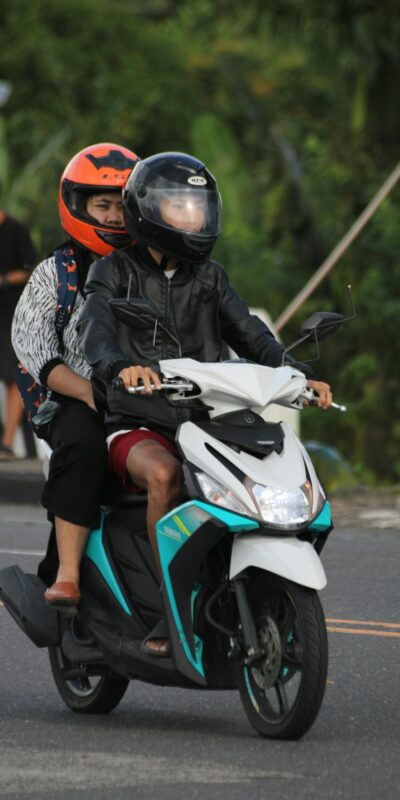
[177, 744]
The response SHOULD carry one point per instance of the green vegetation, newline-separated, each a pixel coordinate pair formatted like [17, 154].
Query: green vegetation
[294, 106]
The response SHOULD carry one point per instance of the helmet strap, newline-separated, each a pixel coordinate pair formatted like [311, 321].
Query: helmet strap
[164, 263]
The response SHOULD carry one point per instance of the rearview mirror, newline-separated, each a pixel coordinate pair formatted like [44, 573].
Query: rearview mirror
[320, 325]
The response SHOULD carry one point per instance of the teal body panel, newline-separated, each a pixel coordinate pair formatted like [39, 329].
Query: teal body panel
[173, 531]
[323, 521]
[95, 551]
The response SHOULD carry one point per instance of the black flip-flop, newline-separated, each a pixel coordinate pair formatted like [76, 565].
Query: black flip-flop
[160, 631]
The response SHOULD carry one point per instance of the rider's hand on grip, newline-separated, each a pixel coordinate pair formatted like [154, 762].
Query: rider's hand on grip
[322, 394]
[136, 375]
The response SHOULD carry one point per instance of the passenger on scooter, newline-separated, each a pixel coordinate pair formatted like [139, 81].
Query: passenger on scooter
[172, 209]
[90, 206]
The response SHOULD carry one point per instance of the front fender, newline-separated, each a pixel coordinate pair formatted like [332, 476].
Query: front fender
[288, 557]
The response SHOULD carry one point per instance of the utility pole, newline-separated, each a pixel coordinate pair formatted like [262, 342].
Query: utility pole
[338, 251]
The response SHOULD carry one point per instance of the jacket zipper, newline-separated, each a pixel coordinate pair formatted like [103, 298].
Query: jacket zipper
[167, 305]
[179, 414]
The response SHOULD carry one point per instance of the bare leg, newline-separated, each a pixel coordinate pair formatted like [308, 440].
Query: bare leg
[153, 468]
[13, 413]
[70, 543]
[71, 540]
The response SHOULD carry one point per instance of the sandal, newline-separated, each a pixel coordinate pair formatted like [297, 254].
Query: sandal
[159, 634]
[7, 453]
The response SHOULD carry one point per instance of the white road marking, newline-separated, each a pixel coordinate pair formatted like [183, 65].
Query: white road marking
[13, 552]
[30, 770]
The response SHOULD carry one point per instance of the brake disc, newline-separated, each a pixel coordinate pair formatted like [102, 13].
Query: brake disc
[267, 670]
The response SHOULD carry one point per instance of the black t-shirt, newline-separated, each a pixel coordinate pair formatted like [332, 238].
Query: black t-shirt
[16, 252]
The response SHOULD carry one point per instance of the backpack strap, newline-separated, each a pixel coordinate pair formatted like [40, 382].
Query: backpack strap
[32, 393]
[67, 287]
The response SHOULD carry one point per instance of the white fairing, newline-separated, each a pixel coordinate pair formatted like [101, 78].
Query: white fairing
[274, 413]
[228, 386]
[285, 470]
[233, 386]
[290, 558]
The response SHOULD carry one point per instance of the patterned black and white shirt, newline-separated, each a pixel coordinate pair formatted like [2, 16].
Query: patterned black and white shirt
[33, 333]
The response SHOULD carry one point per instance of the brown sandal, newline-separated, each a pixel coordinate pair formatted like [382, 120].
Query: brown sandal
[62, 594]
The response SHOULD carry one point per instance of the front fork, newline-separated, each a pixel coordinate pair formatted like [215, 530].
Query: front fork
[246, 646]
[252, 651]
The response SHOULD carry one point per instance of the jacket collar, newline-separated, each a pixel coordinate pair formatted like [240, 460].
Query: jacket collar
[184, 271]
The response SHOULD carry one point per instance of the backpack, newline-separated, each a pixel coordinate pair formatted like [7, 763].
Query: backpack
[33, 394]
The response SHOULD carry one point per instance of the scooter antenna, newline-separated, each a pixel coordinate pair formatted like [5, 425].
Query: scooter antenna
[353, 310]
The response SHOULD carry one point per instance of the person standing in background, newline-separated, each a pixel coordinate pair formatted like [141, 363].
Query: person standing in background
[17, 256]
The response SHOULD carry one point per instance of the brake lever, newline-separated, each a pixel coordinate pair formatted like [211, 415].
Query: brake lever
[338, 407]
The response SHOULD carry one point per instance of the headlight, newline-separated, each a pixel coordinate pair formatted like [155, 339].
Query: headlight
[219, 495]
[282, 507]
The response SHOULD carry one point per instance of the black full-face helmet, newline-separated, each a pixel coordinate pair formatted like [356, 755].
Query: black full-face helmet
[171, 203]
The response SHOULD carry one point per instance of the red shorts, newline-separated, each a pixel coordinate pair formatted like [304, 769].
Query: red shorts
[119, 450]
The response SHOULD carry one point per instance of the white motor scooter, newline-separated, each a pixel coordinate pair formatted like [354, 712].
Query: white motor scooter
[239, 558]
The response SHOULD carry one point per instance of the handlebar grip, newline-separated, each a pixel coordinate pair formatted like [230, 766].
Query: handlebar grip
[117, 383]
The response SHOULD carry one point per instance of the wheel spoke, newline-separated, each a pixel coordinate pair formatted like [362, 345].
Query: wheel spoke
[287, 624]
[282, 697]
[84, 684]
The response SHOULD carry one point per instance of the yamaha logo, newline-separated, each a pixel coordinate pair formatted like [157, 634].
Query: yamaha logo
[197, 180]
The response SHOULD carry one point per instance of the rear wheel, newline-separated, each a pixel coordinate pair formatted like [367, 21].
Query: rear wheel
[283, 691]
[84, 691]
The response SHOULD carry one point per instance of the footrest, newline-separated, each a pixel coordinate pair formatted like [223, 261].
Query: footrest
[23, 597]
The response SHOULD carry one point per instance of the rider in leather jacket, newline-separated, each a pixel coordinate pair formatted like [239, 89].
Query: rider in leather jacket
[197, 305]
[172, 210]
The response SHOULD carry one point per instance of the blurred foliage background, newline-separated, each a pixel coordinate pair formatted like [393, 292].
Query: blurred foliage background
[293, 105]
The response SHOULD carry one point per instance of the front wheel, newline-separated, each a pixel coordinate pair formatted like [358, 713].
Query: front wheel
[282, 692]
[85, 694]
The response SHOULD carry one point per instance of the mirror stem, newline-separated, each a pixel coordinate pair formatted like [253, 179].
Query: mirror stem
[293, 345]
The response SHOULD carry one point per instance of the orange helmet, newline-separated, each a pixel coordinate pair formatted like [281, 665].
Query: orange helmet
[99, 168]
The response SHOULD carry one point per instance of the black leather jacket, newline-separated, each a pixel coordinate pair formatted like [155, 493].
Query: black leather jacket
[197, 305]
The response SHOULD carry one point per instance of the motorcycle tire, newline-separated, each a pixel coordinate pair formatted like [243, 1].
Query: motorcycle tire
[282, 693]
[94, 694]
